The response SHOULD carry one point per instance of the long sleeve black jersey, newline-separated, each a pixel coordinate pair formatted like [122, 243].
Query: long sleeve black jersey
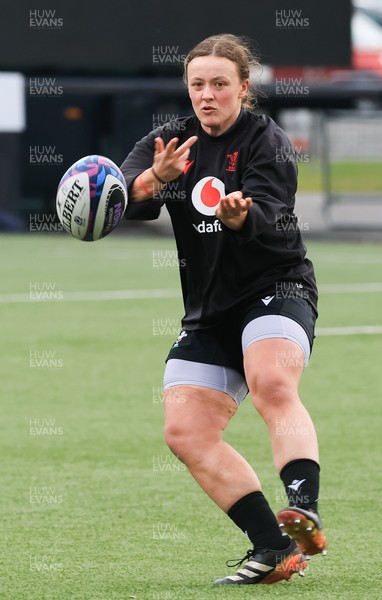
[221, 269]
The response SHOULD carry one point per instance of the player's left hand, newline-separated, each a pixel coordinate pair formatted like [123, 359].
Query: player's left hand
[233, 209]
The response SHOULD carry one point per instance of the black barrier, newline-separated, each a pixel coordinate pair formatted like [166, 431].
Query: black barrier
[152, 37]
[72, 117]
[10, 204]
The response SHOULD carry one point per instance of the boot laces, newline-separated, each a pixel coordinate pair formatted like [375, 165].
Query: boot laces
[237, 562]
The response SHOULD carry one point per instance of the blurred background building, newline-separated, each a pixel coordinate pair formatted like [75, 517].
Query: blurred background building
[75, 80]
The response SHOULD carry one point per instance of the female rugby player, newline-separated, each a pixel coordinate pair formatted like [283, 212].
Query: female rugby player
[250, 302]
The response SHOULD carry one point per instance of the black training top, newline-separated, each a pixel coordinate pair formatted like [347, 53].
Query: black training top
[222, 269]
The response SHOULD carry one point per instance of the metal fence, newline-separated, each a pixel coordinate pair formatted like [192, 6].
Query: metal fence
[352, 167]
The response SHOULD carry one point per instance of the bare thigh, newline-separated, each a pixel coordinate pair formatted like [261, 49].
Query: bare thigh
[195, 417]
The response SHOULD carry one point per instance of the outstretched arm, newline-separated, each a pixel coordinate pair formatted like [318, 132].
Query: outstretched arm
[168, 164]
[233, 209]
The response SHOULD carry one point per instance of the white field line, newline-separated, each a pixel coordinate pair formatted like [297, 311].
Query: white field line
[356, 330]
[355, 260]
[147, 294]
[349, 288]
[61, 296]
[175, 293]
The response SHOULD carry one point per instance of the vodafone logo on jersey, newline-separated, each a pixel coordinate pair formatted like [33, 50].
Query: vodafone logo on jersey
[206, 195]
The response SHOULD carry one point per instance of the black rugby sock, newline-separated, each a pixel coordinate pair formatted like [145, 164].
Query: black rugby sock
[301, 479]
[253, 515]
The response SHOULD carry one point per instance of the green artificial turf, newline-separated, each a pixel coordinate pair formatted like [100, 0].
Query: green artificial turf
[345, 176]
[93, 505]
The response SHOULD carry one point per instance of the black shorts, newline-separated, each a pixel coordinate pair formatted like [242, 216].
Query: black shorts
[223, 344]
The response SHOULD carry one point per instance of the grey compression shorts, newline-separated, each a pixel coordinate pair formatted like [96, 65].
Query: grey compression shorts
[231, 381]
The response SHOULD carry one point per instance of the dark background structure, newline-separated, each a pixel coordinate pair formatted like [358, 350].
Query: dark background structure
[96, 76]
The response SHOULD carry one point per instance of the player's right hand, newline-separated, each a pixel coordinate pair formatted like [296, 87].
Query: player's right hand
[169, 161]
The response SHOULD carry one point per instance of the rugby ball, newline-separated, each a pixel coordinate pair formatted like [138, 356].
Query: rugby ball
[91, 198]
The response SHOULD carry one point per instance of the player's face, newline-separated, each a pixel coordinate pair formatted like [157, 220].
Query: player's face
[216, 92]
